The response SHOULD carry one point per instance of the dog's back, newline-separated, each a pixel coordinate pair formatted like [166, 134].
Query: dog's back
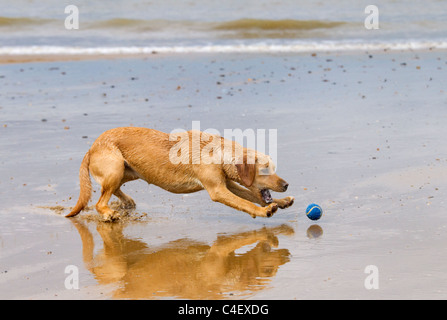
[146, 152]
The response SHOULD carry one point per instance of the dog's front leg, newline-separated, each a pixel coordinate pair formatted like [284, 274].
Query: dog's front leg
[221, 194]
[244, 193]
[284, 202]
[252, 197]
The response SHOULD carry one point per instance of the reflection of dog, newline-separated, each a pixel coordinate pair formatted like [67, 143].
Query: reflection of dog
[183, 268]
[125, 154]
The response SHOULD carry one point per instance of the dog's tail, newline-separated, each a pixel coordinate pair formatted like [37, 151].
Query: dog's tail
[86, 186]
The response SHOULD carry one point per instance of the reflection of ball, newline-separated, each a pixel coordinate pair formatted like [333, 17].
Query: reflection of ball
[314, 231]
[314, 211]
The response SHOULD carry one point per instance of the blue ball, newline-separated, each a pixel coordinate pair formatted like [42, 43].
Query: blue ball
[314, 211]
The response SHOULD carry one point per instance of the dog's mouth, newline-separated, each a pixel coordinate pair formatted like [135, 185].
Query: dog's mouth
[266, 196]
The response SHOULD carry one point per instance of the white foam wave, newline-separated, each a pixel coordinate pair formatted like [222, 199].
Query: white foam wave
[324, 46]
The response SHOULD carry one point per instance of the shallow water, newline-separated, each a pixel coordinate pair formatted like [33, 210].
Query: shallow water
[221, 26]
[362, 135]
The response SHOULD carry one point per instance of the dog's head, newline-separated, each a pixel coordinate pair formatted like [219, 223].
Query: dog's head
[257, 172]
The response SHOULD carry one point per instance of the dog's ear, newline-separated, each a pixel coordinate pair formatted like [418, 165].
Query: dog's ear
[246, 172]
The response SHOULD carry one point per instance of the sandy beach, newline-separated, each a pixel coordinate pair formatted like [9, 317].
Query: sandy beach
[26, 58]
[360, 133]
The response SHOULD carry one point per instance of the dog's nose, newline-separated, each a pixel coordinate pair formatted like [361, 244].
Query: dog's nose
[285, 186]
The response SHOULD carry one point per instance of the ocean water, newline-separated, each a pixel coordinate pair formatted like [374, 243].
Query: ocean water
[131, 26]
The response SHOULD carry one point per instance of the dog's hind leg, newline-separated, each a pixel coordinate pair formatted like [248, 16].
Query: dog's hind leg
[126, 201]
[107, 168]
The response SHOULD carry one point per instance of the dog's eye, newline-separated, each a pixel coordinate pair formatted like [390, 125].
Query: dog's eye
[264, 171]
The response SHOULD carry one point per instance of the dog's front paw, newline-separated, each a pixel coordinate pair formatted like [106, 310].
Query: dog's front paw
[284, 202]
[265, 212]
[270, 210]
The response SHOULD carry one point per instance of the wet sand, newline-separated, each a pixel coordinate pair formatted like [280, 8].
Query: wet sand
[6, 59]
[361, 134]
[34, 58]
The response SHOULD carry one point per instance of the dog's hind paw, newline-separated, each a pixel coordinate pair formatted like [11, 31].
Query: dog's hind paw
[128, 204]
[112, 216]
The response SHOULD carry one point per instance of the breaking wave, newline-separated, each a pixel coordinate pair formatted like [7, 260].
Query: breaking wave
[261, 47]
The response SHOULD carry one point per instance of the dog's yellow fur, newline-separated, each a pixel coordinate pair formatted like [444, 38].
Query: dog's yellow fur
[125, 154]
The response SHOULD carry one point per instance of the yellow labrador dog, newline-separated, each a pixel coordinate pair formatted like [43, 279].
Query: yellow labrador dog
[180, 163]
